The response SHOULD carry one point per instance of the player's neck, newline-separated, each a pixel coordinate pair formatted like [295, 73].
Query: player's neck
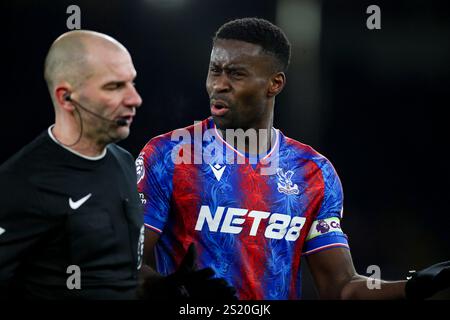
[258, 139]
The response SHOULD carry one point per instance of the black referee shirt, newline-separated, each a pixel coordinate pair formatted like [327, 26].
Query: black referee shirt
[60, 211]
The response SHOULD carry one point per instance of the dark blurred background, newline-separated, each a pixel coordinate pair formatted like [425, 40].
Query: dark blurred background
[372, 101]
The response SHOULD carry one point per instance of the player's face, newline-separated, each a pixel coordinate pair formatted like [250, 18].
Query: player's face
[237, 84]
[109, 91]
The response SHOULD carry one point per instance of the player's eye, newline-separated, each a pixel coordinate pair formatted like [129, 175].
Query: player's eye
[215, 70]
[237, 74]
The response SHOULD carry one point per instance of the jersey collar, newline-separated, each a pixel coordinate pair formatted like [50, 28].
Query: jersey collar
[260, 157]
[101, 156]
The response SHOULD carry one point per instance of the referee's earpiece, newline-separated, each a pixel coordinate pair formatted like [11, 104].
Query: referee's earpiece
[67, 97]
[119, 122]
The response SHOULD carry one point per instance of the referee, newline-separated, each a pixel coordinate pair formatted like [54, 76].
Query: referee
[70, 219]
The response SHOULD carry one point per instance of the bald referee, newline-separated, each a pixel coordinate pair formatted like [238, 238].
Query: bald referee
[70, 219]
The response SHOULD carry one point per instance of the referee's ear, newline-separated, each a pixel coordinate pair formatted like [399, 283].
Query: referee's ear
[276, 84]
[61, 94]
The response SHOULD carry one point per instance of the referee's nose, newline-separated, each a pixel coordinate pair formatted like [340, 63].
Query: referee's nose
[132, 99]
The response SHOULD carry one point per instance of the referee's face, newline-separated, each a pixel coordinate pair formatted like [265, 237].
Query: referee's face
[237, 84]
[109, 92]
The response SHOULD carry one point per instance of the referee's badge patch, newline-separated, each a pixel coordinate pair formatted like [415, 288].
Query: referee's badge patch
[140, 170]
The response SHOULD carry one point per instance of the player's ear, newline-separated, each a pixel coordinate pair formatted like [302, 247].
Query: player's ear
[276, 84]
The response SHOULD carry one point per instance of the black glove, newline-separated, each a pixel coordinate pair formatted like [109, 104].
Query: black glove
[424, 283]
[187, 283]
[211, 289]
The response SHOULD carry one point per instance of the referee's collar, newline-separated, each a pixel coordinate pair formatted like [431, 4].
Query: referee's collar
[50, 133]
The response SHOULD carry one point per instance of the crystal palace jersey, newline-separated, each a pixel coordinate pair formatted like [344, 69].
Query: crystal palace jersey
[251, 218]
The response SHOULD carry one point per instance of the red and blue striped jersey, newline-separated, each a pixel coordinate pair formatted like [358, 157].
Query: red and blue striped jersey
[251, 227]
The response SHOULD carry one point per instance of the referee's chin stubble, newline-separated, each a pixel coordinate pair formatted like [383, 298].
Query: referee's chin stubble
[109, 132]
[117, 133]
[123, 131]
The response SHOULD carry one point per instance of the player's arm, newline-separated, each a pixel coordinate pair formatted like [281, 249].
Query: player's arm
[187, 282]
[154, 185]
[335, 278]
[329, 258]
[148, 268]
[331, 264]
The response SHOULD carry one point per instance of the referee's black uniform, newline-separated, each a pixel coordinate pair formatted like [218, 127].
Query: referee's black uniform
[59, 209]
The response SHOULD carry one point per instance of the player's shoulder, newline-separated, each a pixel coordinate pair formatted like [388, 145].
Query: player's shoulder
[303, 151]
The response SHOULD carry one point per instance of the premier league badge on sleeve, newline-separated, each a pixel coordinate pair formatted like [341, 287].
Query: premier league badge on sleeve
[140, 169]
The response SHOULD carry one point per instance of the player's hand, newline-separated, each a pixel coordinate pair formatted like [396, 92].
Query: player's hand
[172, 287]
[212, 289]
[424, 283]
[199, 284]
[187, 283]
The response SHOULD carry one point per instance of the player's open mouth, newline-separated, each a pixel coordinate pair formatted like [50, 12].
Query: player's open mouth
[219, 108]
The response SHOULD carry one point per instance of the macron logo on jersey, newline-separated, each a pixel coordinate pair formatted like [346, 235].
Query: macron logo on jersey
[279, 225]
[217, 170]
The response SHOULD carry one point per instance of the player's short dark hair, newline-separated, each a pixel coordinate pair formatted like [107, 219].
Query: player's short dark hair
[261, 32]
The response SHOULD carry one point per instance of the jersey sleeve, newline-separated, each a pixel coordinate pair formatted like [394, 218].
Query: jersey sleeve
[326, 231]
[22, 227]
[154, 185]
